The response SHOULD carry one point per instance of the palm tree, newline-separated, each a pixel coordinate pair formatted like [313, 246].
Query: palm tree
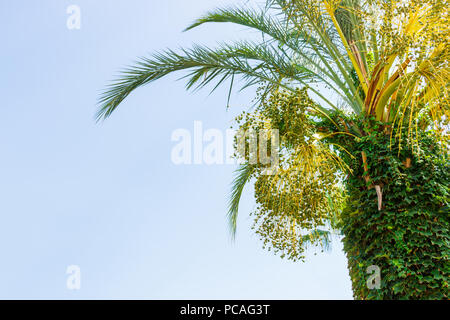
[358, 91]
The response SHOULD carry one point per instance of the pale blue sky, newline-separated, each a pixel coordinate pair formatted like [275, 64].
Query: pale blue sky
[106, 196]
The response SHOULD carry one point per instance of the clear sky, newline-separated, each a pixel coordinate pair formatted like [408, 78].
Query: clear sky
[107, 197]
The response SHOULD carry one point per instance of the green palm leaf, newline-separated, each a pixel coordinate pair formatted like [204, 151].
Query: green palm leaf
[242, 176]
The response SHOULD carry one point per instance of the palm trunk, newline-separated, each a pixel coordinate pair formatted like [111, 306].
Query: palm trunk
[407, 238]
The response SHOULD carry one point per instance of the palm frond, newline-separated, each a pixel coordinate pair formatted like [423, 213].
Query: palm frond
[205, 64]
[253, 62]
[259, 20]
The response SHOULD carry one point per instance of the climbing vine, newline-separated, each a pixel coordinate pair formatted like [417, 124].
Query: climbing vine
[404, 228]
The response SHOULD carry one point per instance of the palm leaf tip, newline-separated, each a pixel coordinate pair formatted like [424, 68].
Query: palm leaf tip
[242, 176]
[219, 15]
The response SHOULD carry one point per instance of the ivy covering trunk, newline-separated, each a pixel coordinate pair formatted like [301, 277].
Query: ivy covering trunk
[408, 236]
